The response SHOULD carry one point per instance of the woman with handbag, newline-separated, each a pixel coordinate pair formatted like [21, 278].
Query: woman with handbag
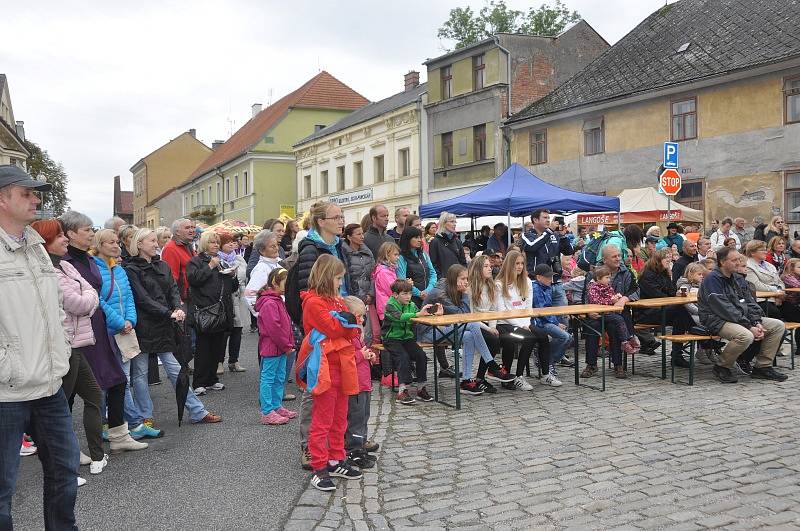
[116, 300]
[102, 357]
[210, 310]
[158, 306]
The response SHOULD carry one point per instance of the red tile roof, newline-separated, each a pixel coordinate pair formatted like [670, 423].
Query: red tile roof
[322, 91]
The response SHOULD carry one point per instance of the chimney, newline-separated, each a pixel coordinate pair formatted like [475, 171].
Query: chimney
[216, 144]
[193, 132]
[20, 127]
[256, 107]
[412, 80]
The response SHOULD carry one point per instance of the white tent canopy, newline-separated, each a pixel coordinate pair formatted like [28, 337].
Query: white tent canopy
[649, 200]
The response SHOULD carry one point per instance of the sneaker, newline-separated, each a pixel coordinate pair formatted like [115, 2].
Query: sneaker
[97, 466]
[27, 448]
[371, 446]
[305, 458]
[679, 361]
[289, 414]
[210, 418]
[81, 481]
[143, 431]
[199, 391]
[744, 366]
[220, 370]
[322, 481]
[361, 458]
[235, 367]
[522, 384]
[288, 397]
[405, 398]
[566, 362]
[635, 341]
[499, 374]
[343, 470]
[768, 373]
[589, 371]
[447, 373]
[424, 396]
[628, 347]
[619, 372]
[724, 374]
[552, 380]
[273, 418]
[470, 387]
[511, 386]
[486, 387]
[85, 459]
[219, 386]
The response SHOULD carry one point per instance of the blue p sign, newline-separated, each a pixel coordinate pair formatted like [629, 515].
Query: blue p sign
[670, 155]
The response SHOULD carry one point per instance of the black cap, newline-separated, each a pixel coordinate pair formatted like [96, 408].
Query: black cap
[543, 270]
[11, 174]
[651, 239]
[673, 225]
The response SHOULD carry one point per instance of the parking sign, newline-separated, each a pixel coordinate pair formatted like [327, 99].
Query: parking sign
[670, 154]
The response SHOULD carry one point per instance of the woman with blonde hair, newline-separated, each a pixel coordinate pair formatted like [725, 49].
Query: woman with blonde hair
[762, 275]
[209, 288]
[163, 234]
[776, 227]
[776, 252]
[514, 291]
[158, 306]
[483, 298]
[446, 249]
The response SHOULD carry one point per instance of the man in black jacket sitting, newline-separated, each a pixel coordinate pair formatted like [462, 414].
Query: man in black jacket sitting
[734, 315]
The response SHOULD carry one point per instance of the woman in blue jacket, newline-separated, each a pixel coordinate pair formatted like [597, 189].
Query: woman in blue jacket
[119, 308]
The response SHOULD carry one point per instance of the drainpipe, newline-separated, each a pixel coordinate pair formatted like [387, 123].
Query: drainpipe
[508, 95]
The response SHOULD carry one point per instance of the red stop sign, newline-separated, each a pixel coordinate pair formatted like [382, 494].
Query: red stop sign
[670, 181]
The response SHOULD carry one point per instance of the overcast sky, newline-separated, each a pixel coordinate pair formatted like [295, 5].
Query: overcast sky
[100, 85]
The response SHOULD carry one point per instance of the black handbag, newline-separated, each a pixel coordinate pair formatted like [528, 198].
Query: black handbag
[211, 318]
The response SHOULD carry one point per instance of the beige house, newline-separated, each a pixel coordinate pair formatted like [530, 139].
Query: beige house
[12, 133]
[374, 155]
[161, 171]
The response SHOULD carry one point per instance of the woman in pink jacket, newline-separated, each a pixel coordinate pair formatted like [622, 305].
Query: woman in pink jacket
[384, 274]
[80, 301]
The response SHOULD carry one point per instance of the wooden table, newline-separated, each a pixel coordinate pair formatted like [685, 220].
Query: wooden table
[792, 290]
[770, 294]
[459, 322]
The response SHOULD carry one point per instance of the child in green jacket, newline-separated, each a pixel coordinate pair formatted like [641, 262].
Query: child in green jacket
[397, 334]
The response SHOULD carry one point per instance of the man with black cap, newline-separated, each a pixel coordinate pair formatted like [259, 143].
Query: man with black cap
[36, 357]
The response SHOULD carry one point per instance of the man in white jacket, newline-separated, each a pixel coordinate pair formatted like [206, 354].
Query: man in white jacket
[34, 357]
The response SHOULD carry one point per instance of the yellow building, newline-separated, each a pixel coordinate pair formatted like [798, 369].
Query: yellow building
[371, 156]
[12, 133]
[161, 171]
[722, 79]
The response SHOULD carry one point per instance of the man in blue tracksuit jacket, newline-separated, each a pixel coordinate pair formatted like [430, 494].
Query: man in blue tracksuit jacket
[543, 246]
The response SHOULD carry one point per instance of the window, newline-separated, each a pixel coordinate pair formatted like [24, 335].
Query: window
[792, 201]
[447, 149]
[202, 197]
[404, 161]
[192, 198]
[791, 91]
[227, 189]
[593, 141]
[340, 178]
[479, 142]
[246, 183]
[323, 181]
[210, 202]
[236, 186]
[684, 119]
[478, 68]
[447, 82]
[379, 169]
[307, 186]
[358, 174]
[538, 147]
[219, 193]
[691, 194]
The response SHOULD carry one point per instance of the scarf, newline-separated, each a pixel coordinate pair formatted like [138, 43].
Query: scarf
[315, 236]
[230, 257]
[79, 255]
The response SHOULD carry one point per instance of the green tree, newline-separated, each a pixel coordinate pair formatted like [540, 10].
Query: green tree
[465, 27]
[40, 165]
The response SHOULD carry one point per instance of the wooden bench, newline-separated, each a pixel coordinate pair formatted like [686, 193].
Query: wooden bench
[692, 339]
[788, 337]
[645, 327]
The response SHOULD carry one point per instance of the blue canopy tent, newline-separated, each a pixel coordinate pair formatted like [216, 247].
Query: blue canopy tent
[517, 192]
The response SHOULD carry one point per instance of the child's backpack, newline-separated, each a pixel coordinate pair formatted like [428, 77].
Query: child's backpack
[588, 255]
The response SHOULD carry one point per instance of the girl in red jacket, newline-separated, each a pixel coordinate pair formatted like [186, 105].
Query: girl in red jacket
[326, 365]
[275, 340]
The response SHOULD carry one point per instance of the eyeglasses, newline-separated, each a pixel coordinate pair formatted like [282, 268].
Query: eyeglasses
[336, 218]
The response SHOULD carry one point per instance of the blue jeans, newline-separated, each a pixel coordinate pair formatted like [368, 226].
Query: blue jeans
[559, 340]
[171, 366]
[471, 341]
[273, 381]
[136, 371]
[49, 422]
[559, 298]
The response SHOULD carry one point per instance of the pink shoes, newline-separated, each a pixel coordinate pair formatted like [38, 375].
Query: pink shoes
[630, 346]
[273, 418]
[283, 412]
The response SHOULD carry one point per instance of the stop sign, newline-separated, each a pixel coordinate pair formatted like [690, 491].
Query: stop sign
[670, 181]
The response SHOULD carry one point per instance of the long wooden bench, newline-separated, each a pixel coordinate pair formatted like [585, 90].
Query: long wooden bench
[692, 339]
[788, 337]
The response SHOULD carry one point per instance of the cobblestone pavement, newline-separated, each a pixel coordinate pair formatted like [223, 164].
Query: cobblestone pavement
[644, 454]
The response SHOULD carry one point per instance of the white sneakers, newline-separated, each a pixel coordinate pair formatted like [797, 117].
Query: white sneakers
[219, 386]
[552, 380]
[199, 391]
[81, 481]
[85, 459]
[97, 466]
[522, 384]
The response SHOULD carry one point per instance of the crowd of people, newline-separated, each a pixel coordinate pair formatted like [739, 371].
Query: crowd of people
[334, 305]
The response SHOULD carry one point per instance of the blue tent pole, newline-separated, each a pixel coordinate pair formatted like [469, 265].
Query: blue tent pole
[508, 231]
